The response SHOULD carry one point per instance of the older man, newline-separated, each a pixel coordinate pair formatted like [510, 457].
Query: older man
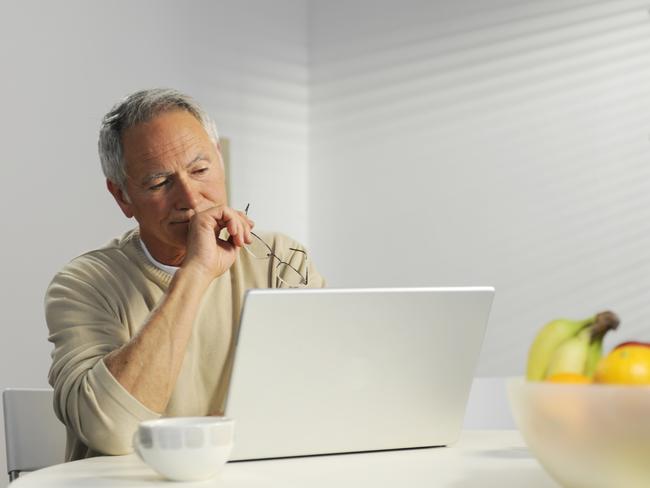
[144, 326]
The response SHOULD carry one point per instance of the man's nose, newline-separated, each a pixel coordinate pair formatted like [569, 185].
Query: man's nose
[187, 197]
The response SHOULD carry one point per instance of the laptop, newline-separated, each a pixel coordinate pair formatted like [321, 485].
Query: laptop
[327, 371]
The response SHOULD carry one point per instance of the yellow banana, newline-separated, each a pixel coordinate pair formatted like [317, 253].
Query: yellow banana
[569, 346]
[605, 322]
[547, 341]
[594, 353]
[571, 355]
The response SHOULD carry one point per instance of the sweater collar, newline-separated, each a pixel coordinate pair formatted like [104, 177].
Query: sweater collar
[131, 245]
[164, 267]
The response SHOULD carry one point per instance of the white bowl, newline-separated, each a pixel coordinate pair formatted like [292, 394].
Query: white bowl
[586, 436]
[185, 448]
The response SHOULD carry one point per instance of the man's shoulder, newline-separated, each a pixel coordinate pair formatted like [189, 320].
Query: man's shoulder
[103, 259]
[293, 253]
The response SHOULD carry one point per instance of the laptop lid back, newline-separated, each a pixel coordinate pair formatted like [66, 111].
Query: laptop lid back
[345, 370]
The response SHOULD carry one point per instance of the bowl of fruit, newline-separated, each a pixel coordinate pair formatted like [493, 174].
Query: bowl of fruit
[583, 413]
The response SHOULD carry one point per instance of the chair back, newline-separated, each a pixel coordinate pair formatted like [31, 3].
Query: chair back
[34, 437]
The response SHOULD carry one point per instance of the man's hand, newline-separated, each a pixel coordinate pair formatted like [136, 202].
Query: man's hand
[206, 252]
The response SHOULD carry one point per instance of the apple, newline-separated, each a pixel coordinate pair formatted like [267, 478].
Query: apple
[632, 343]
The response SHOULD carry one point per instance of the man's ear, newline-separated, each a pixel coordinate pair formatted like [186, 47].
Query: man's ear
[120, 197]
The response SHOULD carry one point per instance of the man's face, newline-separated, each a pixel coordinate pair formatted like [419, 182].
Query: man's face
[173, 171]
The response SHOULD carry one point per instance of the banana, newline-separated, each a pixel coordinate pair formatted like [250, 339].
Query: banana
[548, 340]
[571, 355]
[569, 346]
[605, 322]
[594, 353]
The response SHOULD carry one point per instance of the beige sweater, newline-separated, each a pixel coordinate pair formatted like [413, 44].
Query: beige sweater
[99, 301]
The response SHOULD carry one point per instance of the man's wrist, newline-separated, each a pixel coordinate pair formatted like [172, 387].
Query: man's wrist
[194, 273]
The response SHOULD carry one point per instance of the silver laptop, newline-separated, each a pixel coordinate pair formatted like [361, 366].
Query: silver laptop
[348, 370]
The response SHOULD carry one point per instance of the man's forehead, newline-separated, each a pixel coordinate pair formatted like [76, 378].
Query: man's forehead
[176, 137]
[176, 145]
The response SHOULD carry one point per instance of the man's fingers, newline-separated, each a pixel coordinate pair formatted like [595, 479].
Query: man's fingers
[243, 215]
[249, 235]
[238, 237]
[233, 224]
[236, 222]
[248, 225]
[238, 226]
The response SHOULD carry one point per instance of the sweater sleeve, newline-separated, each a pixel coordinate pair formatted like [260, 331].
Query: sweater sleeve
[84, 327]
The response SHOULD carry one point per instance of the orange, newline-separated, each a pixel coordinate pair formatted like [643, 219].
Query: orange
[625, 365]
[568, 378]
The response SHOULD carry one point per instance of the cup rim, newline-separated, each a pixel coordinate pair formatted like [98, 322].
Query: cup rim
[183, 422]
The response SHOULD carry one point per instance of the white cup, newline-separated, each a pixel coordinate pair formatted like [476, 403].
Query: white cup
[185, 448]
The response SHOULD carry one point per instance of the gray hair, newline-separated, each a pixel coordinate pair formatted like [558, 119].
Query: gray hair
[137, 108]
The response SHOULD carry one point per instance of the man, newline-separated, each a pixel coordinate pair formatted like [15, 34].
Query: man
[144, 326]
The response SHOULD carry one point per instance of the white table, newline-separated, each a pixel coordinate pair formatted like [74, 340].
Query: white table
[480, 459]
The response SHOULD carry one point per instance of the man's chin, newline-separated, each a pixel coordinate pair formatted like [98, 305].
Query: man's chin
[168, 248]
[173, 235]
[179, 232]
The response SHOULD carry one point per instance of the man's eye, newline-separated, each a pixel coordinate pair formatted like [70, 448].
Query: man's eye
[200, 171]
[159, 185]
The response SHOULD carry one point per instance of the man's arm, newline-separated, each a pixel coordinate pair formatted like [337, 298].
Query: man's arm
[148, 365]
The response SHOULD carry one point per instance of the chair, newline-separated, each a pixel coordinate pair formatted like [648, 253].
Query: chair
[34, 437]
[488, 407]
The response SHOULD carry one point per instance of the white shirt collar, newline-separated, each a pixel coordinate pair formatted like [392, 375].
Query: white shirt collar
[165, 267]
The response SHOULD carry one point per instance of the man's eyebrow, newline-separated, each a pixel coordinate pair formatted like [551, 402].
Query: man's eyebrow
[163, 174]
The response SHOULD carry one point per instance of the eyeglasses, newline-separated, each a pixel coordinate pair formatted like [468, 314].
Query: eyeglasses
[286, 272]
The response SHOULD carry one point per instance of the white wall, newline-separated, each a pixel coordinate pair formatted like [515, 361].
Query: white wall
[63, 65]
[501, 143]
